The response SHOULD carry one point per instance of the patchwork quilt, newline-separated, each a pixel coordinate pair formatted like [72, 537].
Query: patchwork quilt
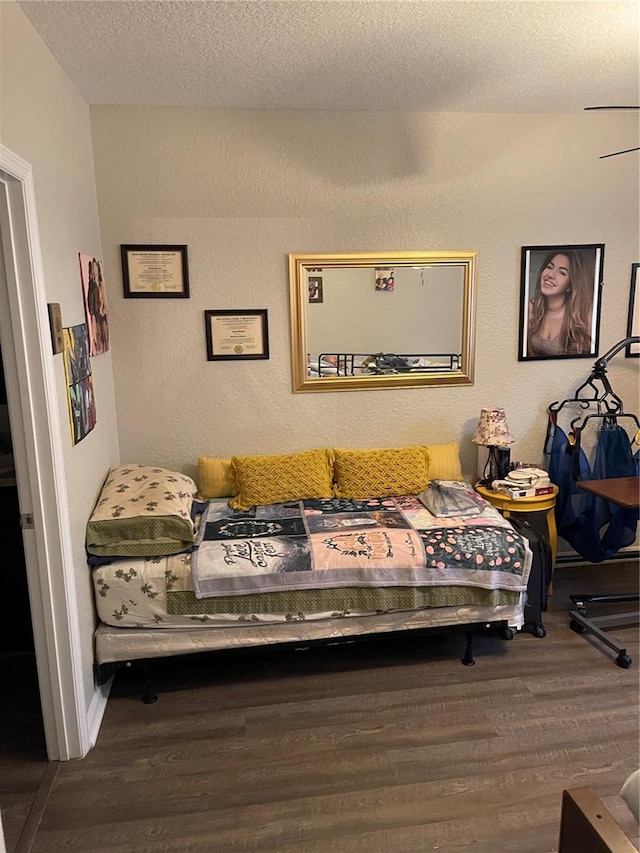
[338, 543]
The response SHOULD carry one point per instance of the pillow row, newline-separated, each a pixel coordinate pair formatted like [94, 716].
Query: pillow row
[144, 511]
[324, 473]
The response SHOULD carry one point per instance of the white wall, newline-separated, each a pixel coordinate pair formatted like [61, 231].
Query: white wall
[45, 122]
[245, 188]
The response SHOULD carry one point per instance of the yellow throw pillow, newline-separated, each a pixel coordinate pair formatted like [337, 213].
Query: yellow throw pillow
[215, 477]
[280, 478]
[444, 461]
[381, 473]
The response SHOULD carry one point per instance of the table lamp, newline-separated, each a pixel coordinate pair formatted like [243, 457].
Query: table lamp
[493, 433]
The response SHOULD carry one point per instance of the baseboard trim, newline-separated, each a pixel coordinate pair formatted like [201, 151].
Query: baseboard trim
[574, 559]
[96, 711]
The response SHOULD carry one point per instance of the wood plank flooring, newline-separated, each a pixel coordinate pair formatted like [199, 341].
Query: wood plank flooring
[383, 747]
[22, 747]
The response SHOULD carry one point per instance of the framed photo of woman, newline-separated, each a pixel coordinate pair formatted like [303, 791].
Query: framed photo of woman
[560, 289]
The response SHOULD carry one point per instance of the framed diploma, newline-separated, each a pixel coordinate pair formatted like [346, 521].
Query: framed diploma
[152, 272]
[236, 334]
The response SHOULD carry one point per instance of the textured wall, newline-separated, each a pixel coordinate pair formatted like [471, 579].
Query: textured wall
[44, 121]
[244, 188]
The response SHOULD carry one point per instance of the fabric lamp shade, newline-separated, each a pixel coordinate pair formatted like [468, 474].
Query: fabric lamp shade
[492, 429]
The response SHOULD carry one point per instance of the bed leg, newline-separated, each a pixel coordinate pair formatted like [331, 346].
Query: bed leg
[468, 660]
[149, 696]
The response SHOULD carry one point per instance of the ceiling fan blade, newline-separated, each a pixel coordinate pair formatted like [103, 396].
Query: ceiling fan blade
[626, 150]
[615, 153]
[612, 108]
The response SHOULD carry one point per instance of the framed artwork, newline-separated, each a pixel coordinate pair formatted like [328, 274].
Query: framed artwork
[79, 381]
[95, 304]
[155, 272]
[315, 288]
[633, 320]
[560, 294]
[233, 335]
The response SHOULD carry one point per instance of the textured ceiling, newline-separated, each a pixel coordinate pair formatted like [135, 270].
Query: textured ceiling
[443, 55]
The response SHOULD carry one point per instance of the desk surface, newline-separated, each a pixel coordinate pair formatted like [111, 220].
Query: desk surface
[624, 491]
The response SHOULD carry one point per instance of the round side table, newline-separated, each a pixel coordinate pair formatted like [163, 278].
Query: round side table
[538, 503]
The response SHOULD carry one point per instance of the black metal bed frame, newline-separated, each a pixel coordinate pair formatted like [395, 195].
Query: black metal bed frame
[382, 364]
[104, 672]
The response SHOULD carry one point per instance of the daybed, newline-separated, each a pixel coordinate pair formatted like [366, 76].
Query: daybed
[319, 545]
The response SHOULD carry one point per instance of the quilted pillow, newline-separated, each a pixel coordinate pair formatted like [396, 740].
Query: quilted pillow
[142, 512]
[362, 474]
[215, 477]
[280, 478]
[444, 461]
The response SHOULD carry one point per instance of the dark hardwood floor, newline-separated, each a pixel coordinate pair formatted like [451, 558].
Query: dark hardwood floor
[383, 747]
[22, 747]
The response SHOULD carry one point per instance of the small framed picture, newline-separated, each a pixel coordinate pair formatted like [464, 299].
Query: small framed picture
[55, 326]
[560, 290]
[152, 272]
[385, 279]
[315, 288]
[633, 320]
[233, 335]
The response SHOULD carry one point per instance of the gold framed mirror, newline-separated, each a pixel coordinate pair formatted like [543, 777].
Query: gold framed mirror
[368, 320]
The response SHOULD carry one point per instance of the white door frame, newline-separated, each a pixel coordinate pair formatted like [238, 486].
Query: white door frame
[39, 462]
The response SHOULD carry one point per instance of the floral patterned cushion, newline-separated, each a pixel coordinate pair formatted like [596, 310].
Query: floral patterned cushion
[142, 511]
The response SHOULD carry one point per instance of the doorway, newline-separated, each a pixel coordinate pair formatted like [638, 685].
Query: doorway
[16, 634]
[38, 458]
[21, 730]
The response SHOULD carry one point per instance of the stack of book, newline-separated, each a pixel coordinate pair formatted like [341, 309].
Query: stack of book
[515, 492]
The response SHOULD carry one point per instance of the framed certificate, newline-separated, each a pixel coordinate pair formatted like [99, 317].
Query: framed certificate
[152, 272]
[236, 334]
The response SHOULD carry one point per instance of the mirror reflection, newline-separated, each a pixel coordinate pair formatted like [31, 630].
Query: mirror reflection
[381, 320]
